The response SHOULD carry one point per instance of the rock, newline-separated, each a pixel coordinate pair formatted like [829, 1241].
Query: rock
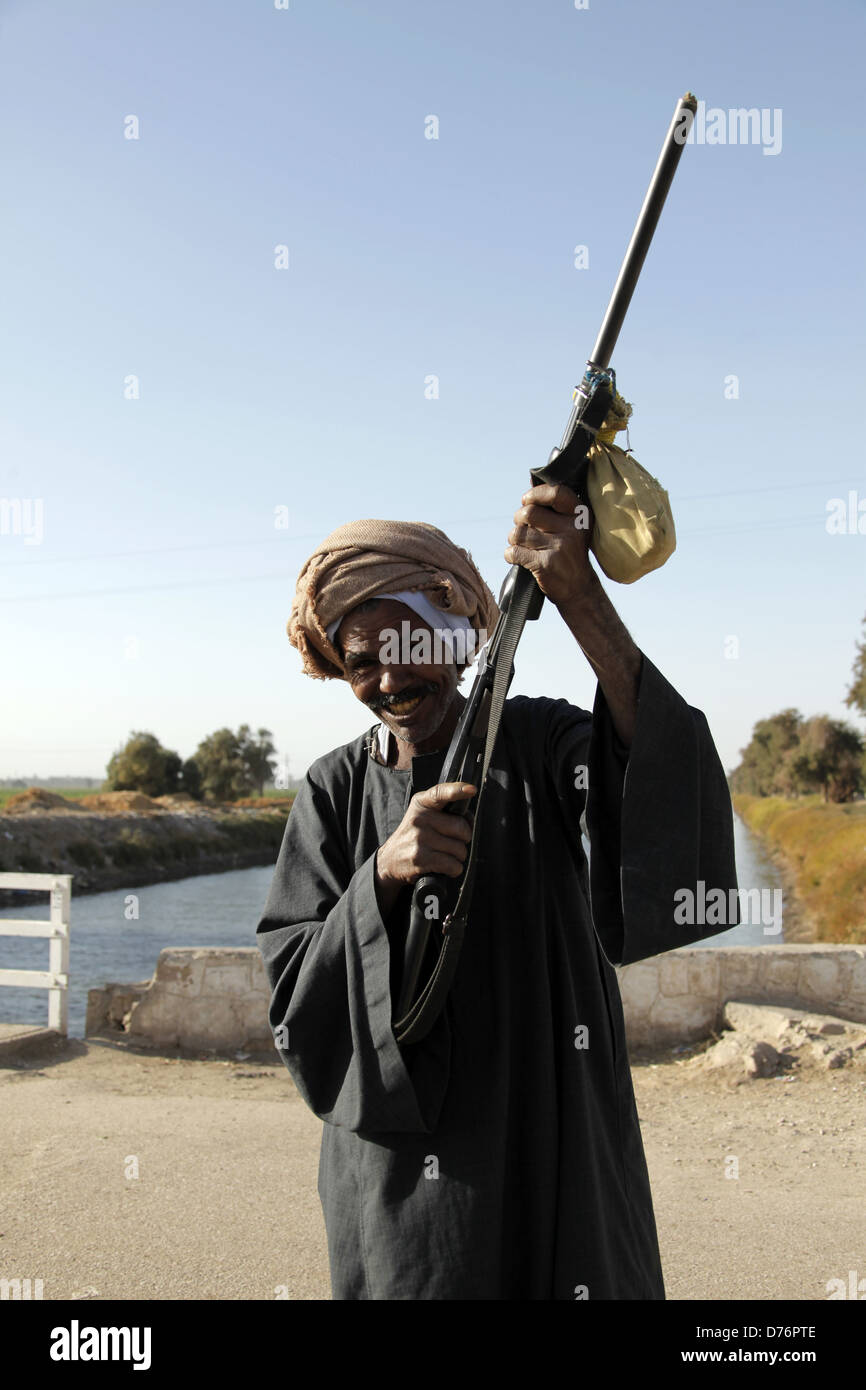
[755, 1058]
[832, 1057]
[837, 1058]
[724, 1052]
[765, 1020]
[790, 1028]
[760, 1059]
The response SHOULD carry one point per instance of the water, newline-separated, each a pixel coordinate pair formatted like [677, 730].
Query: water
[208, 910]
[755, 869]
[217, 910]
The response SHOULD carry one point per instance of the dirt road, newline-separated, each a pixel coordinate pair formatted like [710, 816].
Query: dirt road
[133, 1176]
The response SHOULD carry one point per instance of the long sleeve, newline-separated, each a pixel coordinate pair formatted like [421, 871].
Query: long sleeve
[327, 956]
[674, 833]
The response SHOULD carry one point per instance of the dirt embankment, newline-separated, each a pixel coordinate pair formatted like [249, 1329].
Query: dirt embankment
[110, 840]
[821, 852]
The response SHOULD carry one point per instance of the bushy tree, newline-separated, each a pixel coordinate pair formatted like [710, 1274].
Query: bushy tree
[225, 775]
[788, 756]
[259, 754]
[234, 765]
[829, 758]
[190, 779]
[143, 765]
[761, 771]
[856, 697]
[224, 767]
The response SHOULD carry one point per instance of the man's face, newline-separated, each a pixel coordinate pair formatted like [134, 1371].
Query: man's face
[412, 700]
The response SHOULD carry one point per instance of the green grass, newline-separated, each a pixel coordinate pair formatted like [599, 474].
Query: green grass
[132, 849]
[264, 828]
[86, 853]
[825, 845]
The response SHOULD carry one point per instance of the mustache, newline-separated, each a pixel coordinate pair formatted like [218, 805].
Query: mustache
[384, 702]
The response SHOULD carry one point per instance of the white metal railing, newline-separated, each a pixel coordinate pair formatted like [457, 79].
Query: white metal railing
[56, 978]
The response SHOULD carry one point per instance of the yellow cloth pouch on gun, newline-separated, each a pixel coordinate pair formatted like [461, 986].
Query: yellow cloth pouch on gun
[633, 531]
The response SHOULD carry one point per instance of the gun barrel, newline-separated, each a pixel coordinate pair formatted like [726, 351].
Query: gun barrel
[520, 579]
[642, 235]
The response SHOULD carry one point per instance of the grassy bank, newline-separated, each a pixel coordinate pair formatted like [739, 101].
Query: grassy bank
[824, 846]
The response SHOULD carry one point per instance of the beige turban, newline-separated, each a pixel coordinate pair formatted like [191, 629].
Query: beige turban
[366, 558]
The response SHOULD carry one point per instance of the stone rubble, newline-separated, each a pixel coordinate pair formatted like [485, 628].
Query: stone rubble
[763, 1040]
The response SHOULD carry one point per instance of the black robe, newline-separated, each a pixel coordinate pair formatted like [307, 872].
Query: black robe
[500, 1157]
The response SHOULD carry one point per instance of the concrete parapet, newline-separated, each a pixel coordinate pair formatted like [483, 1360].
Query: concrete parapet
[204, 999]
[109, 1009]
[680, 996]
[215, 999]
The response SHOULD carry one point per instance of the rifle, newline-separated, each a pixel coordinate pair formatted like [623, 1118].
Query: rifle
[521, 601]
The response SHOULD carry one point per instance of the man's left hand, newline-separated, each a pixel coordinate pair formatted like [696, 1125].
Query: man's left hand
[551, 538]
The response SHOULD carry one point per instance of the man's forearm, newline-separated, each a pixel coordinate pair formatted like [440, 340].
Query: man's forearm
[387, 890]
[607, 646]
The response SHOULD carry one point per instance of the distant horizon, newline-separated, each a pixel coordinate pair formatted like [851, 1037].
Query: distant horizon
[49, 782]
[855, 720]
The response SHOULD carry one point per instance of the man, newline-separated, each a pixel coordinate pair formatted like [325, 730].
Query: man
[500, 1157]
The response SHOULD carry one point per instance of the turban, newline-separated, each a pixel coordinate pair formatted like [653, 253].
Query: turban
[368, 559]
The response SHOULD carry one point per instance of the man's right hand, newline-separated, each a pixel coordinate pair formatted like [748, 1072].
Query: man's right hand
[428, 840]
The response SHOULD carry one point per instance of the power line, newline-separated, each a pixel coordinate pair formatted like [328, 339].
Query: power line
[289, 576]
[155, 588]
[315, 535]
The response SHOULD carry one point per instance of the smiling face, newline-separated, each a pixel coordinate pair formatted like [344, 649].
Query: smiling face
[420, 704]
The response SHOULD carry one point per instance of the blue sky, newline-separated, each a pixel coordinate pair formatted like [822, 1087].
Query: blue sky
[158, 596]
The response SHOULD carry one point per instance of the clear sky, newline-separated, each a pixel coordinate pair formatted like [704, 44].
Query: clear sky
[158, 593]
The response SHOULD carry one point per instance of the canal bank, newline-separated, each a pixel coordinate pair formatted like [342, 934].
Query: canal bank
[106, 850]
[819, 851]
[117, 935]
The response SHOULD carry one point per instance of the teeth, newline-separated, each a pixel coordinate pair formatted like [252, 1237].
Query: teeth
[405, 706]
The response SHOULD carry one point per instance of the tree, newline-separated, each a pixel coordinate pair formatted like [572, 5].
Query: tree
[233, 765]
[143, 765]
[259, 755]
[856, 697]
[224, 772]
[190, 779]
[829, 757]
[763, 770]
